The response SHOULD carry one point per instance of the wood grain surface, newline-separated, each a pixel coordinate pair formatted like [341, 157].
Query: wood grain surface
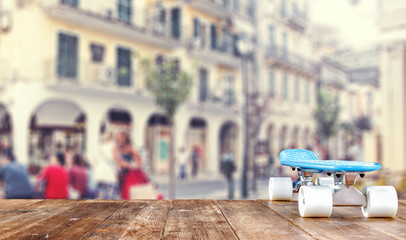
[196, 219]
[187, 219]
[252, 220]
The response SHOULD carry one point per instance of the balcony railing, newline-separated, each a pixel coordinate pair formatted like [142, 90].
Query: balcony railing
[296, 21]
[148, 24]
[288, 59]
[216, 8]
[92, 75]
[222, 53]
[225, 97]
[293, 17]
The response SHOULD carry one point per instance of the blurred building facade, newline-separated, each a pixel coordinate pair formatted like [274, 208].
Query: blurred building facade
[288, 74]
[353, 78]
[391, 23]
[70, 73]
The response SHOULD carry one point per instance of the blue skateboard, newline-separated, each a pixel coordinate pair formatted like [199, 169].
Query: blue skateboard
[317, 198]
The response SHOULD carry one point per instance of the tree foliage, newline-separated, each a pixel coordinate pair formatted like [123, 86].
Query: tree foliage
[363, 123]
[326, 115]
[169, 85]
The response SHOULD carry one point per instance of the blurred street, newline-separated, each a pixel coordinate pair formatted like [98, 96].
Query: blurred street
[202, 188]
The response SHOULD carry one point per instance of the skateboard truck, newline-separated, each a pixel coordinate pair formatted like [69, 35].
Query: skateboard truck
[305, 179]
[345, 194]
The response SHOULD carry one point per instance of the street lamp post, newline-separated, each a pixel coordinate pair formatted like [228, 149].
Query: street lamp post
[245, 48]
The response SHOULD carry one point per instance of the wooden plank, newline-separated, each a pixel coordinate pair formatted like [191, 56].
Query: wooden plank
[136, 219]
[196, 219]
[401, 209]
[72, 223]
[27, 215]
[253, 220]
[7, 205]
[393, 227]
[323, 228]
[115, 225]
[150, 222]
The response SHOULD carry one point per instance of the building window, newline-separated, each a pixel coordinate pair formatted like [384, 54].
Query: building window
[160, 21]
[271, 39]
[213, 36]
[97, 52]
[226, 40]
[124, 10]
[283, 8]
[203, 91]
[229, 90]
[285, 86]
[67, 56]
[196, 28]
[307, 92]
[284, 44]
[73, 3]
[237, 5]
[124, 69]
[175, 22]
[297, 90]
[306, 11]
[295, 9]
[272, 83]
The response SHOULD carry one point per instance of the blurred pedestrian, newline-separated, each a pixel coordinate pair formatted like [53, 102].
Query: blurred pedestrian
[130, 164]
[69, 156]
[105, 170]
[228, 168]
[15, 177]
[78, 176]
[59, 151]
[195, 160]
[182, 156]
[271, 161]
[55, 178]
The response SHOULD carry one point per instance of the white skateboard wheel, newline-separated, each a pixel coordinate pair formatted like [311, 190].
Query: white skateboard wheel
[280, 188]
[381, 201]
[315, 201]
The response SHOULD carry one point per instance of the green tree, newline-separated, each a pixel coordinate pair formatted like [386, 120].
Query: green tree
[326, 116]
[170, 87]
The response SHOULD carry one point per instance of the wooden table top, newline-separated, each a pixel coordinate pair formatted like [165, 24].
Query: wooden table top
[187, 219]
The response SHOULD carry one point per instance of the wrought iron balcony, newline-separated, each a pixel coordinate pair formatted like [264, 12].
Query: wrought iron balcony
[281, 57]
[296, 21]
[149, 25]
[222, 54]
[216, 8]
[91, 75]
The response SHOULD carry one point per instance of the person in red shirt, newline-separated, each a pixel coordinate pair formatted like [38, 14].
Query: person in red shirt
[78, 176]
[56, 179]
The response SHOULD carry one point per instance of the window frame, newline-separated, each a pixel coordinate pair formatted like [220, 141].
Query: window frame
[66, 69]
[125, 11]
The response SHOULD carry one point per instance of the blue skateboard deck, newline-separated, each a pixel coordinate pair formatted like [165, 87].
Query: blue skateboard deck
[308, 161]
